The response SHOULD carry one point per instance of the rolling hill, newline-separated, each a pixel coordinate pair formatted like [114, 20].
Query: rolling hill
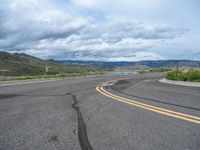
[22, 64]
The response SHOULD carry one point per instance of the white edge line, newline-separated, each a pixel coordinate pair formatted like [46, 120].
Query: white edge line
[29, 82]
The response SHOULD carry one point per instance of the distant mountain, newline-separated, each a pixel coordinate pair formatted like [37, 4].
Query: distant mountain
[149, 63]
[22, 64]
[97, 63]
[170, 63]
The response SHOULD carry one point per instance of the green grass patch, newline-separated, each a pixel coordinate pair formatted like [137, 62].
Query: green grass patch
[47, 76]
[192, 75]
[154, 70]
[160, 70]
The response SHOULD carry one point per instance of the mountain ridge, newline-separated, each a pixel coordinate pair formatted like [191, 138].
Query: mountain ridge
[148, 63]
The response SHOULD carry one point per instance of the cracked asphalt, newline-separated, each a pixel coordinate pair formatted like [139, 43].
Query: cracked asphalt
[69, 114]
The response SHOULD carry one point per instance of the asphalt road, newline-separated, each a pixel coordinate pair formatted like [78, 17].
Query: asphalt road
[71, 114]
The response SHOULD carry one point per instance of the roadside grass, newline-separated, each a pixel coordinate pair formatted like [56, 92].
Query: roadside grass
[160, 70]
[48, 76]
[192, 75]
[155, 70]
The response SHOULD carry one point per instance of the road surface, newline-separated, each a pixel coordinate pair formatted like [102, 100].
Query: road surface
[71, 114]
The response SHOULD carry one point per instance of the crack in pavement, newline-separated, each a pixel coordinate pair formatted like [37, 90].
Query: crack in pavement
[5, 96]
[82, 131]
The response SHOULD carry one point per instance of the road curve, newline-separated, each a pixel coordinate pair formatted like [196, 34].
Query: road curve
[71, 114]
[100, 88]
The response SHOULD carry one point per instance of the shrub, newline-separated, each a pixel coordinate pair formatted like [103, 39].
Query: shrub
[184, 75]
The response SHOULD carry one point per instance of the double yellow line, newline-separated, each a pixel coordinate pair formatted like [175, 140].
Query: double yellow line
[156, 109]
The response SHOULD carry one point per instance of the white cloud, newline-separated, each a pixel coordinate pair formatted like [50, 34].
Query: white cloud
[114, 33]
[138, 56]
[34, 25]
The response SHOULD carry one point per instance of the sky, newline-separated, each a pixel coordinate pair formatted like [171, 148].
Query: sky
[101, 30]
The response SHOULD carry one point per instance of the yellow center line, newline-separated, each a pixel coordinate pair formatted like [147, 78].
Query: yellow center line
[163, 111]
[151, 106]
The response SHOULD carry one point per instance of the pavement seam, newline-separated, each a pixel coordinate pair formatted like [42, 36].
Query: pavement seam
[157, 101]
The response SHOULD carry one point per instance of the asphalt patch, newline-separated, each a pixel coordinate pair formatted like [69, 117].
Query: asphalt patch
[121, 85]
[4, 96]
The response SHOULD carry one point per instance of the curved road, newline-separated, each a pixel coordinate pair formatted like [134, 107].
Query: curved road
[71, 114]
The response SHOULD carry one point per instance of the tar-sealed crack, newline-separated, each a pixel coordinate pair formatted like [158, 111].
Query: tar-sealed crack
[153, 100]
[82, 131]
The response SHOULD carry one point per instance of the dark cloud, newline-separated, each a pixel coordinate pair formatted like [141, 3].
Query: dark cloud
[115, 31]
[44, 30]
[20, 26]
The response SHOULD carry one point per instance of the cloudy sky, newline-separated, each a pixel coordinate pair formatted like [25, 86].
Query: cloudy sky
[108, 30]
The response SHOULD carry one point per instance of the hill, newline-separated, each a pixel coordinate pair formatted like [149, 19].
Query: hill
[19, 64]
[22, 64]
[148, 64]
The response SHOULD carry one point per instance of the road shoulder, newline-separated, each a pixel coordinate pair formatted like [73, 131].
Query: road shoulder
[181, 83]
